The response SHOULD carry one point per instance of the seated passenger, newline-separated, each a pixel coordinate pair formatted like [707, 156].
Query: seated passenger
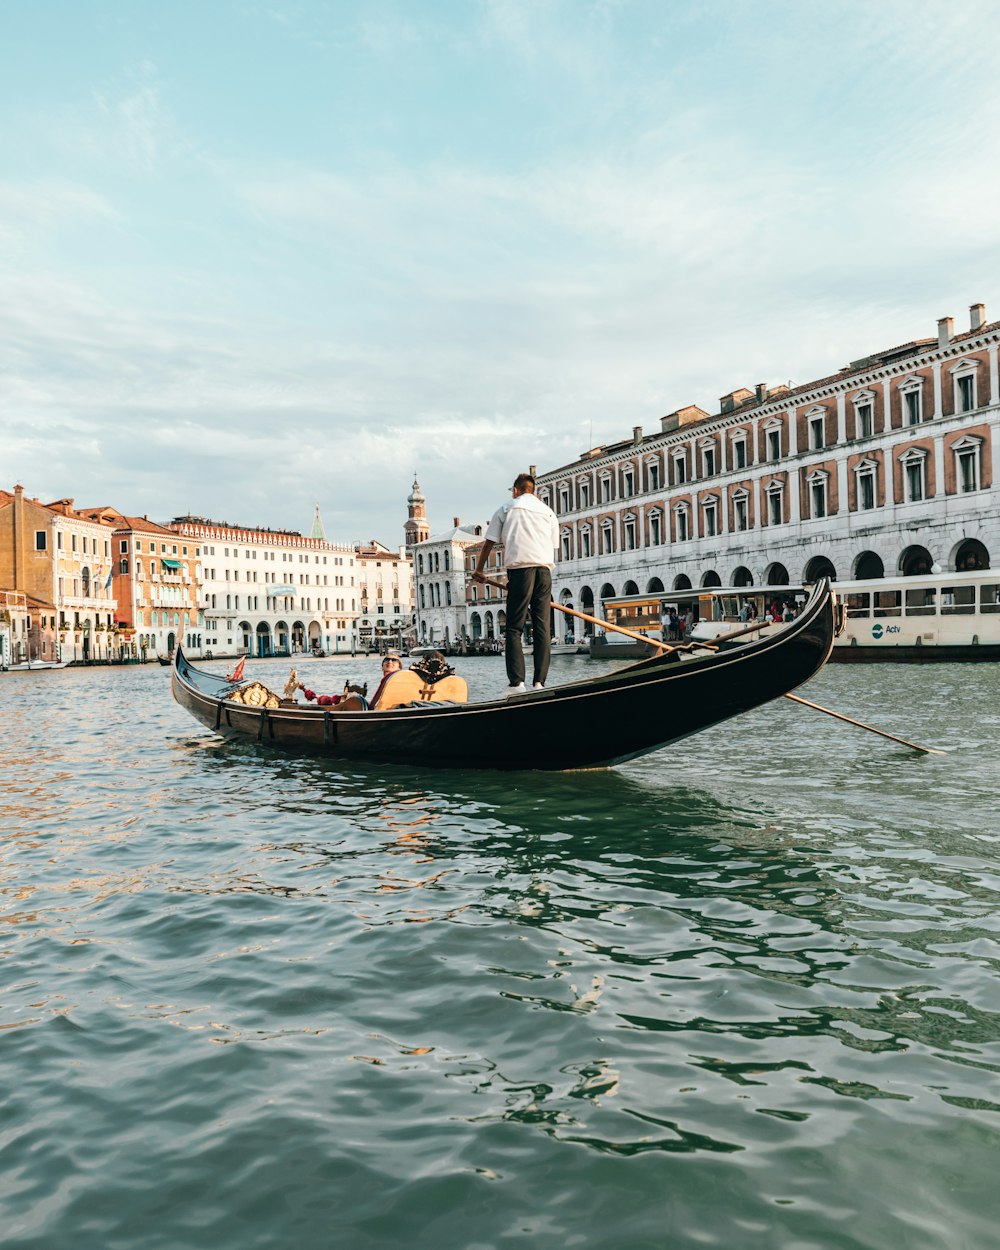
[391, 663]
[430, 680]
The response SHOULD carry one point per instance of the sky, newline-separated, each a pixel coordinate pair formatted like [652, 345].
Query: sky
[257, 255]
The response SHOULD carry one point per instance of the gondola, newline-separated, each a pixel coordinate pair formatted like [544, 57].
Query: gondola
[594, 723]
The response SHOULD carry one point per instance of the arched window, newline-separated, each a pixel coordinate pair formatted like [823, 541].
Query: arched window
[971, 555]
[742, 577]
[777, 575]
[682, 582]
[711, 578]
[820, 566]
[868, 566]
[915, 562]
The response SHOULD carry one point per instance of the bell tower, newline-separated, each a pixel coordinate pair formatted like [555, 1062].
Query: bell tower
[416, 528]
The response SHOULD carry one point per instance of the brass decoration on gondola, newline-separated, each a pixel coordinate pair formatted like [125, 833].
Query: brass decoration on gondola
[254, 695]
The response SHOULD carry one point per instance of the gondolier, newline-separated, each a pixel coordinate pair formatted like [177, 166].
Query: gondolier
[529, 532]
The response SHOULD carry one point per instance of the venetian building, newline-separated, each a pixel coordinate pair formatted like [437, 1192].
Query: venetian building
[887, 467]
[156, 585]
[385, 586]
[416, 528]
[59, 557]
[272, 592]
[486, 605]
[439, 581]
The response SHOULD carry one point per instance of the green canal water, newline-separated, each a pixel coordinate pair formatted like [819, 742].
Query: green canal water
[742, 993]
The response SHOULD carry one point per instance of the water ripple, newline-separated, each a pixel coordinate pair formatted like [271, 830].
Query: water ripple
[744, 993]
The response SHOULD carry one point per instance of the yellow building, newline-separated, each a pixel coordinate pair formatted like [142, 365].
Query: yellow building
[60, 558]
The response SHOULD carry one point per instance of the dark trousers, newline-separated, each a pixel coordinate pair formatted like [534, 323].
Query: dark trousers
[528, 590]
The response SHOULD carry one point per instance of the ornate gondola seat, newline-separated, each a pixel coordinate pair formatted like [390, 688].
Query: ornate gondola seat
[408, 687]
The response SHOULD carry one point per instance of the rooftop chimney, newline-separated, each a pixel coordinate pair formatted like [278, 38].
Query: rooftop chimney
[977, 316]
[458, 522]
[636, 435]
[532, 470]
[946, 331]
[761, 389]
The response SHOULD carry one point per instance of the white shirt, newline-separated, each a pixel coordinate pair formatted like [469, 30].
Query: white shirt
[528, 530]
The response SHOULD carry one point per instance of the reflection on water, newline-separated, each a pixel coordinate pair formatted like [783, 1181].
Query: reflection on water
[380, 995]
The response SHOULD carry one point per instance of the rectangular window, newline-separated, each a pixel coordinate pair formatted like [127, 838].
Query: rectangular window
[968, 469]
[605, 490]
[865, 422]
[958, 600]
[628, 483]
[711, 520]
[680, 471]
[709, 461]
[911, 404]
[654, 530]
[919, 602]
[774, 507]
[866, 491]
[584, 494]
[740, 453]
[774, 444]
[989, 598]
[817, 433]
[629, 534]
[41, 540]
[740, 513]
[653, 474]
[585, 543]
[915, 481]
[682, 527]
[818, 495]
[966, 393]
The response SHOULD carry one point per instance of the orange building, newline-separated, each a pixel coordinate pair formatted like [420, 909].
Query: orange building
[155, 574]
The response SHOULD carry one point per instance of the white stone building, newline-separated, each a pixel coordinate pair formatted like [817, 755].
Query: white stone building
[440, 583]
[272, 592]
[889, 466]
[385, 597]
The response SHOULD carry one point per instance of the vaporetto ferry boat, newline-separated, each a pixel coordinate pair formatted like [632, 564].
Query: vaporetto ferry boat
[933, 617]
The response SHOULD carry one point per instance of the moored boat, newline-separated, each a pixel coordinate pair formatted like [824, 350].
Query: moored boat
[594, 723]
[31, 666]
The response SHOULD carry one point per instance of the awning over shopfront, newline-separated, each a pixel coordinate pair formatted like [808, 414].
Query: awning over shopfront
[171, 564]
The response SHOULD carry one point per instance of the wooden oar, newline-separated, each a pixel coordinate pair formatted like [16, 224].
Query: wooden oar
[713, 646]
[915, 746]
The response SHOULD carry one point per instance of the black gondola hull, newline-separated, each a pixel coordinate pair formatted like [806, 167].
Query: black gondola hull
[595, 723]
